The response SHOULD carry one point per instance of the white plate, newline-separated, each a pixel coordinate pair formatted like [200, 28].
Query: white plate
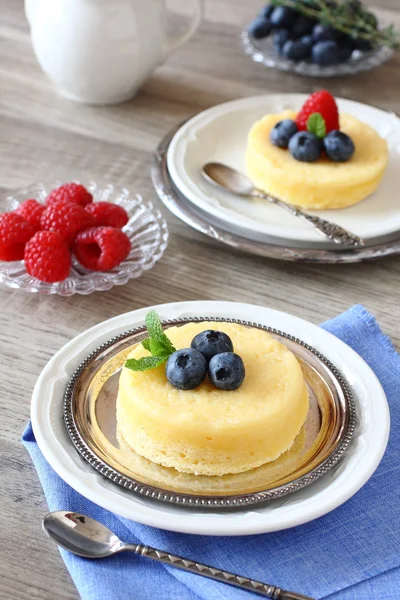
[364, 455]
[220, 134]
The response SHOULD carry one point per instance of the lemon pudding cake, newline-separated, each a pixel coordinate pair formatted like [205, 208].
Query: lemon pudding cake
[212, 426]
[316, 159]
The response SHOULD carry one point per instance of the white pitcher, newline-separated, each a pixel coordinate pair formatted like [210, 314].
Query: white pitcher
[101, 51]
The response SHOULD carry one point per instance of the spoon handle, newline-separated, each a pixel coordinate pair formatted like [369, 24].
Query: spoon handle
[333, 232]
[263, 589]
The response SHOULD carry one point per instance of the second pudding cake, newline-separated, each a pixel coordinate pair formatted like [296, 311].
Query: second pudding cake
[323, 184]
[208, 431]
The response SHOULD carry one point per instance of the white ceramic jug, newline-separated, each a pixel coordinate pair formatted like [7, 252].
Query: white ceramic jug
[101, 51]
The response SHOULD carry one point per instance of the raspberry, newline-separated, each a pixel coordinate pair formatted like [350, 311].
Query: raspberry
[70, 192]
[320, 102]
[107, 214]
[67, 218]
[15, 232]
[31, 211]
[101, 248]
[47, 257]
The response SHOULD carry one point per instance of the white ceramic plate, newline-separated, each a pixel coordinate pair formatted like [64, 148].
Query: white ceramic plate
[220, 134]
[365, 452]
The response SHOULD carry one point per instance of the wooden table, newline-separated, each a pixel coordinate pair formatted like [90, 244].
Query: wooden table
[45, 135]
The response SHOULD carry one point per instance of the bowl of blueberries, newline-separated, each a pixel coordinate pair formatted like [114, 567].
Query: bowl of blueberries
[322, 38]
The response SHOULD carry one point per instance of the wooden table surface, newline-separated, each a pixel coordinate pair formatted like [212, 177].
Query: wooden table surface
[44, 135]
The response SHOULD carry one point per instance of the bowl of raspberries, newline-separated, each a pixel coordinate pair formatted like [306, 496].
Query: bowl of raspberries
[66, 239]
[320, 38]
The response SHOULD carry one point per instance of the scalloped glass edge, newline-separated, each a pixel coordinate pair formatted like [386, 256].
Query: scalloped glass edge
[360, 61]
[146, 228]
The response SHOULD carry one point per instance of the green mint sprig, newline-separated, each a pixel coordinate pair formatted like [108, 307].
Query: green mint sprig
[158, 344]
[316, 125]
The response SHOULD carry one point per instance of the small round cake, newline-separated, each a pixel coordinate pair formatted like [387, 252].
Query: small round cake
[209, 431]
[323, 184]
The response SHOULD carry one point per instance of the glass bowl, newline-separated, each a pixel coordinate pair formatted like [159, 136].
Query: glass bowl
[263, 51]
[146, 229]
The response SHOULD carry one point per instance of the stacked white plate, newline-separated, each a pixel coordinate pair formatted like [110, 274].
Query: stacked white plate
[220, 134]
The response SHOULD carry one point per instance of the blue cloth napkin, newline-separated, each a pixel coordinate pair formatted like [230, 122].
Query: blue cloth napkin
[353, 553]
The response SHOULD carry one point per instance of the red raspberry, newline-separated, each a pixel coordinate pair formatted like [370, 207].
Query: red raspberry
[47, 257]
[107, 214]
[320, 102]
[15, 232]
[31, 211]
[101, 248]
[67, 218]
[70, 192]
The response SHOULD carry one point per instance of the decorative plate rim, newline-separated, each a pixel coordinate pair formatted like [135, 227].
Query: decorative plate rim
[232, 501]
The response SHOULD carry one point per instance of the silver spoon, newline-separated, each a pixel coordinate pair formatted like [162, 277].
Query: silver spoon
[237, 183]
[89, 538]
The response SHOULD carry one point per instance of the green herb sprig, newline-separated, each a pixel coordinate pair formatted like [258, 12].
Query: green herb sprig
[348, 16]
[158, 344]
[316, 125]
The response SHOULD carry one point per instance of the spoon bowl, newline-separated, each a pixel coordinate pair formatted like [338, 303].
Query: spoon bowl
[227, 178]
[81, 535]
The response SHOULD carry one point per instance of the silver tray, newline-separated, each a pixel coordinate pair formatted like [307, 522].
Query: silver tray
[90, 419]
[185, 210]
[262, 51]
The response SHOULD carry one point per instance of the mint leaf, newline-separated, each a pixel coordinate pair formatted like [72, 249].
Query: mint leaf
[156, 331]
[146, 344]
[158, 344]
[168, 344]
[159, 348]
[145, 363]
[153, 325]
[156, 347]
[316, 125]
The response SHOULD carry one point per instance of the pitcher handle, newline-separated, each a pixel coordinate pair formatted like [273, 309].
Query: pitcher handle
[175, 42]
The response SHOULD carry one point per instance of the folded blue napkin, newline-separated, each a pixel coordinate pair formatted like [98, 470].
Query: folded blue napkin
[353, 553]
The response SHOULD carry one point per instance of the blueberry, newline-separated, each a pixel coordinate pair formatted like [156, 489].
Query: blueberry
[325, 33]
[267, 11]
[362, 44]
[282, 132]
[296, 50]
[211, 342]
[186, 369]
[307, 41]
[226, 371]
[346, 48]
[325, 53]
[305, 146]
[260, 28]
[339, 146]
[283, 17]
[281, 36]
[303, 26]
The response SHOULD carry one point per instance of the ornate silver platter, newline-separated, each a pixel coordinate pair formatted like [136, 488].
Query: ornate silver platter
[185, 210]
[262, 51]
[90, 419]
